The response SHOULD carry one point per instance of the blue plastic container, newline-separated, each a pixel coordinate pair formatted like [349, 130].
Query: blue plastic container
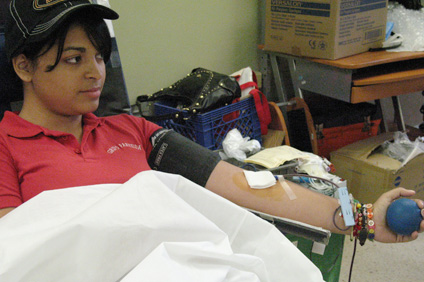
[209, 129]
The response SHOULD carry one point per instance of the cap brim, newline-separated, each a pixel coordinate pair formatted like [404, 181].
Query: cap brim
[99, 10]
[102, 11]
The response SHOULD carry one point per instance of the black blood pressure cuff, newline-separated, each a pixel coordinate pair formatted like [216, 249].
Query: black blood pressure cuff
[174, 153]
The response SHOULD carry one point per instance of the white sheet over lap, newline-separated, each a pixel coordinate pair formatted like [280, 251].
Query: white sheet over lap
[155, 227]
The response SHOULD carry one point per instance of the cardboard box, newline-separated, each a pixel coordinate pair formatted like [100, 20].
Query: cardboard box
[327, 29]
[370, 175]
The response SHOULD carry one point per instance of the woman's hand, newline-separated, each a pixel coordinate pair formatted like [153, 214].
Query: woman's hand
[382, 232]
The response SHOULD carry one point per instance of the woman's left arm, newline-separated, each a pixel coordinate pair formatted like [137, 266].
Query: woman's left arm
[309, 206]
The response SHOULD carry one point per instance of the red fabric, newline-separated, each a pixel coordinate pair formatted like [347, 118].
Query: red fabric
[261, 103]
[248, 84]
[34, 159]
[233, 115]
[262, 108]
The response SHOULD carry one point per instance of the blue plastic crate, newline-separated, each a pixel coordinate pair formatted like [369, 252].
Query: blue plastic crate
[209, 129]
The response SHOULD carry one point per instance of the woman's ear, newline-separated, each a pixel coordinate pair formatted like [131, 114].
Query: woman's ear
[23, 67]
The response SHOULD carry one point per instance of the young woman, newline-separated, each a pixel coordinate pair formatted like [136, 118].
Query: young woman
[59, 51]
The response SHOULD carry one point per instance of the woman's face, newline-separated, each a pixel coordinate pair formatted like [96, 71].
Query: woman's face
[73, 87]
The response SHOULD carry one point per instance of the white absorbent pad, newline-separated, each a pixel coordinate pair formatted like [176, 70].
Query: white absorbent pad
[155, 227]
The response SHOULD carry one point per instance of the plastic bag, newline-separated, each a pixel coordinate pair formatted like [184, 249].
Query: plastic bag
[236, 146]
[402, 149]
[409, 23]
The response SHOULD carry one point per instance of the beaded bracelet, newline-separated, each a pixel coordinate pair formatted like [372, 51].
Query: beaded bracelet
[370, 222]
[364, 224]
[364, 227]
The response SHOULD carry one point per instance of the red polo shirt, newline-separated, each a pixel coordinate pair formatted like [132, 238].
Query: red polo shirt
[34, 159]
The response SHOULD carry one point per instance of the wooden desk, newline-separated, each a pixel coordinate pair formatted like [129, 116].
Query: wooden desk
[368, 76]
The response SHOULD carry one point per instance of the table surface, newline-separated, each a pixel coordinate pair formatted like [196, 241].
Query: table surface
[377, 74]
[372, 58]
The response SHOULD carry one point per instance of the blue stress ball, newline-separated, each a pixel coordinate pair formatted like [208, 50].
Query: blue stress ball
[404, 216]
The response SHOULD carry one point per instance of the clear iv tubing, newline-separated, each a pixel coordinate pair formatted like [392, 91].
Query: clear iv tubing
[312, 177]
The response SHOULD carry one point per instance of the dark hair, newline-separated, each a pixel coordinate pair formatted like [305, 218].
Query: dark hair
[95, 27]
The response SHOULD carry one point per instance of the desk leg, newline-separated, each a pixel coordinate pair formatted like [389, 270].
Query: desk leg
[398, 114]
[277, 78]
[295, 80]
[383, 124]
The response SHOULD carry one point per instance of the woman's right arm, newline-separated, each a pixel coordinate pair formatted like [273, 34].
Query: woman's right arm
[5, 211]
[9, 185]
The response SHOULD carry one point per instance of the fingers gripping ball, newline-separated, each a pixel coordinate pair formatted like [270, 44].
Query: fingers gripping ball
[404, 216]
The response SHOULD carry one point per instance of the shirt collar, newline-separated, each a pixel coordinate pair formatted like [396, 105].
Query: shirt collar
[18, 127]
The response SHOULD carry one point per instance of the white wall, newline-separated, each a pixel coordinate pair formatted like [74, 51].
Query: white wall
[410, 104]
[161, 41]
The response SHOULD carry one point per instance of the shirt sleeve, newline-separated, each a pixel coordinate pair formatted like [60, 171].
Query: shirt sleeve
[10, 195]
[151, 128]
[145, 130]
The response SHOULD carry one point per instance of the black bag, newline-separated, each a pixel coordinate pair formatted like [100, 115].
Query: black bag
[411, 4]
[200, 91]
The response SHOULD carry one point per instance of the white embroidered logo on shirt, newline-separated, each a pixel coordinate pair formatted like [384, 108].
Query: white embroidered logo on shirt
[113, 149]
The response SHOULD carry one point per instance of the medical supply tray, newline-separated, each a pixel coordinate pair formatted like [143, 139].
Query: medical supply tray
[209, 129]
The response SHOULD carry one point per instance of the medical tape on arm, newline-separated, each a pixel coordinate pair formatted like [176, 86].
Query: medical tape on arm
[265, 179]
[287, 188]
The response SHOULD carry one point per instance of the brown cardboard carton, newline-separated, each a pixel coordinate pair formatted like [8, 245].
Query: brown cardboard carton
[369, 175]
[327, 29]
